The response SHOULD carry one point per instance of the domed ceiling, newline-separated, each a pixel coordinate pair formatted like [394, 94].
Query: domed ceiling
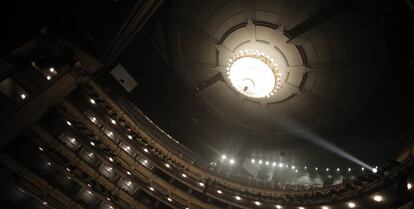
[323, 71]
[328, 59]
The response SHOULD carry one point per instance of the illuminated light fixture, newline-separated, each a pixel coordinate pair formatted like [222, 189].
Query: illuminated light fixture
[92, 143]
[257, 203]
[68, 169]
[23, 96]
[127, 148]
[237, 198]
[152, 189]
[287, 166]
[184, 175]
[169, 199]
[145, 150]
[44, 203]
[109, 199]
[52, 70]
[129, 173]
[49, 163]
[296, 170]
[48, 77]
[129, 183]
[41, 149]
[267, 162]
[89, 192]
[110, 169]
[92, 101]
[69, 123]
[351, 205]
[278, 206]
[374, 170]
[223, 157]
[253, 160]
[362, 169]
[349, 169]
[273, 164]
[110, 133]
[90, 154]
[280, 165]
[338, 169]
[113, 121]
[201, 184]
[316, 168]
[409, 186]
[130, 137]
[325, 207]
[93, 119]
[327, 169]
[231, 161]
[146, 161]
[219, 192]
[73, 140]
[301, 207]
[377, 198]
[306, 167]
[111, 159]
[260, 161]
[89, 185]
[166, 165]
[293, 167]
[253, 74]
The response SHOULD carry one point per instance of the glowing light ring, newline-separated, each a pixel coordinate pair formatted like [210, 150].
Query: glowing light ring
[254, 74]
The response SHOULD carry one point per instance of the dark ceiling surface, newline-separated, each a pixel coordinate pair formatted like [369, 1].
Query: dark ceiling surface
[373, 132]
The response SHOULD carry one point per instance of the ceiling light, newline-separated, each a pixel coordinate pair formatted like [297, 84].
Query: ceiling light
[129, 183]
[111, 159]
[73, 140]
[92, 101]
[280, 165]
[231, 161]
[237, 198]
[260, 161]
[301, 207]
[378, 198]
[145, 150]
[152, 189]
[68, 169]
[327, 169]
[89, 192]
[48, 77]
[338, 169]
[253, 74]
[316, 168]
[90, 154]
[69, 123]
[93, 119]
[349, 169]
[113, 121]
[362, 169]
[293, 167]
[129, 136]
[325, 207]
[169, 199]
[223, 157]
[41, 149]
[129, 173]
[23, 96]
[253, 160]
[127, 148]
[51, 69]
[267, 162]
[257, 203]
[409, 186]
[273, 164]
[219, 191]
[92, 143]
[49, 163]
[351, 205]
[296, 170]
[375, 170]
[184, 175]
[278, 206]
[201, 184]
[306, 167]
[109, 199]
[167, 165]
[146, 161]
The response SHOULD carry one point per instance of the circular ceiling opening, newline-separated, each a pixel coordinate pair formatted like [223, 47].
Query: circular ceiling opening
[253, 74]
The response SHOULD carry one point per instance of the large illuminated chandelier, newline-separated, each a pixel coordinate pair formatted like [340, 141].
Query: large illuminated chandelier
[254, 74]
